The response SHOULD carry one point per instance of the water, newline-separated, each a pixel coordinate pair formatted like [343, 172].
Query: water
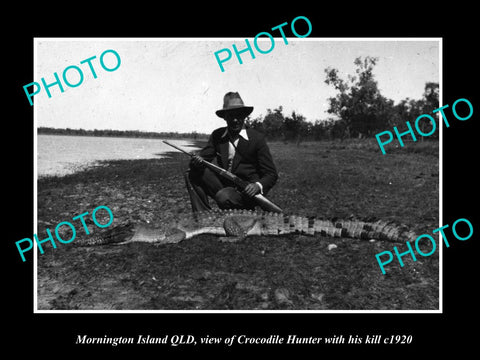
[61, 155]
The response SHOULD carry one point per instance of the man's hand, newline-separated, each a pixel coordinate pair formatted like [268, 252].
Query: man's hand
[197, 161]
[252, 189]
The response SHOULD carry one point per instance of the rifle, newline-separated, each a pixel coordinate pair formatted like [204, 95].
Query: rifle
[261, 200]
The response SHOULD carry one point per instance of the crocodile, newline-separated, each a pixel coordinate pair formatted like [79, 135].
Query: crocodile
[235, 225]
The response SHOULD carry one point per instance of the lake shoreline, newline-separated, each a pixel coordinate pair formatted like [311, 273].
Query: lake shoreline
[138, 134]
[60, 155]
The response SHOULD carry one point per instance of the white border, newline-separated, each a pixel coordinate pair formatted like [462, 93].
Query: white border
[35, 278]
[35, 181]
[440, 175]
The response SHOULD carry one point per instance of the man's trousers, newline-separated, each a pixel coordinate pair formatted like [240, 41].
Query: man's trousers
[204, 183]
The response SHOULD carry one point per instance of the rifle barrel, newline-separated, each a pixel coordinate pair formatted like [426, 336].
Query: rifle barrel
[214, 167]
[176, 147]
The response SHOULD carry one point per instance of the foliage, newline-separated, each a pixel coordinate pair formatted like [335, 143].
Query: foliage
[121, 133]
[409, 109]
[358, 110]
[359, 102]
[365, 111]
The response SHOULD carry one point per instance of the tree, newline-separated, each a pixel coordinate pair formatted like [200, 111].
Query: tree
[431, 97]
[273, 123]
[359, 103]
[410, 109]
[256, 124]
[295, 127]
[319, 130]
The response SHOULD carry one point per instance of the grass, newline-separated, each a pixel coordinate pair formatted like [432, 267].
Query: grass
[330, 179]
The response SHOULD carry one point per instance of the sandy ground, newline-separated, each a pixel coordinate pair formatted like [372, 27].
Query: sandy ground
[295, 272]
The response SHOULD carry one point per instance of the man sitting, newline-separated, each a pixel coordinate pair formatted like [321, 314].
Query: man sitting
[244, 152]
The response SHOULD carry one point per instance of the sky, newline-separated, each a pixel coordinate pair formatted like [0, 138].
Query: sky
[175, 84]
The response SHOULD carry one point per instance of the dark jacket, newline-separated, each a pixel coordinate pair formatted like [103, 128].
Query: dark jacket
[252, 161]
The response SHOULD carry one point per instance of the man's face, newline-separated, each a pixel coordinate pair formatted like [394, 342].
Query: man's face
[235, 122]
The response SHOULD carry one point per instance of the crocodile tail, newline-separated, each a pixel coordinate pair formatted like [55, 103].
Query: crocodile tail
[378, 230]
[356, 229]
[280, 224]
[326, 228]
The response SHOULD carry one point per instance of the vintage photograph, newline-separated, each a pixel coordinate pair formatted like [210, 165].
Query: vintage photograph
[165, 182]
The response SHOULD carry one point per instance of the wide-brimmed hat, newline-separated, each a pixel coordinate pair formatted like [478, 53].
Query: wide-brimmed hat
[232, 102]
